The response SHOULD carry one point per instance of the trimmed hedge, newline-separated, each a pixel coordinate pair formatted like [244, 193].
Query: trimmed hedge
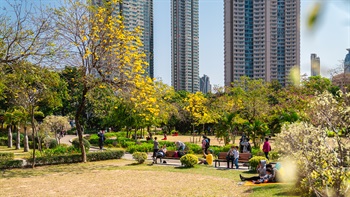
[144, 147]
[75, 158]
[11, 164]
[7, 156]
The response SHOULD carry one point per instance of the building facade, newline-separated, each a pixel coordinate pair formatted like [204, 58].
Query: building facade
[262, 39]
[315, 65]
[139, 13]
[204, 84]
[347, 62]
[185, 45]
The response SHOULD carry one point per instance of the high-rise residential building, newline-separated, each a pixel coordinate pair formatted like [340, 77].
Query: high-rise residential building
[347, 62]
[185, 45]
[139, 13]
[262, 39]
[315, 65]
[204, 84]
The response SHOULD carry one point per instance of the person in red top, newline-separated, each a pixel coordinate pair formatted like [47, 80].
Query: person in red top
[266, 148]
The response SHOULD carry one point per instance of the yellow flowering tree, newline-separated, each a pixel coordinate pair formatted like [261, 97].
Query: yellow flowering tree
[196, 105]
[96, 42]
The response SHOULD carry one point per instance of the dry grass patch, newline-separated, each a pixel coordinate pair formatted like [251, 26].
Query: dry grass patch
[119, 178]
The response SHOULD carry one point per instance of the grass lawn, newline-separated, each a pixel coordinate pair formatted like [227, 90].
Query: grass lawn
[19, 154]
[125, 178]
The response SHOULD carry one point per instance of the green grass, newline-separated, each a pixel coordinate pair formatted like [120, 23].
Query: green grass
[19, 154]
[273, 190]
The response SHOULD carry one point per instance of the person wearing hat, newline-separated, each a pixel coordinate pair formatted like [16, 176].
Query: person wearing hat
[208, 158]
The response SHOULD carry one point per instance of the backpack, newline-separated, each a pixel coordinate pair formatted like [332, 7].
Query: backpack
[207, 144]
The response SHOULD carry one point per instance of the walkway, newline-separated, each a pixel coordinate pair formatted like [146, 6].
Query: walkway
[170, 162]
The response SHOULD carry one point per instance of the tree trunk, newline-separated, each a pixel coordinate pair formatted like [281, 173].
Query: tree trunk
[25, 140]
[9, 137]
[18, 138]
[78, 123]
[33, 134]
[149, 132]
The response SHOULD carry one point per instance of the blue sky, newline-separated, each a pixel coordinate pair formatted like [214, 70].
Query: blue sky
[328, 40]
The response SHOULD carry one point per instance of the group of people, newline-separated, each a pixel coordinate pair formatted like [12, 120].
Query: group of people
[160, 153]
[266, 172]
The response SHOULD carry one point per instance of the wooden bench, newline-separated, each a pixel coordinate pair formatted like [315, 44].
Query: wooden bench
[243, 158]
[170, 154]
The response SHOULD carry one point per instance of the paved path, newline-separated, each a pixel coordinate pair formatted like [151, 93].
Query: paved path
[170, 162]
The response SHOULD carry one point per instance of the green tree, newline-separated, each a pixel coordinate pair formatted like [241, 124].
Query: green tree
[101, 49]
[28, 85]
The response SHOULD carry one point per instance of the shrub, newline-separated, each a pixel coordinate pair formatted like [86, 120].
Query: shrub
[11, 164]
[74, 158]
[52, 143]
[105, 155]
[144, 147]
[7, 156]
[194, 147]
[254, 161]
[14, 136]
[140, 157]
[3, 141]
[257, 152]
[76, 145]
[218, 149]
[72, 131]
[274, 155]
[189, 160]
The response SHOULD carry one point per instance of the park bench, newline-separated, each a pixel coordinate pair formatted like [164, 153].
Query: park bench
[243, 158]
[170, 154]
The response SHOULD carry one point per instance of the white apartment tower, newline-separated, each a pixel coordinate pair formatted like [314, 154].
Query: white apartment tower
[185, 45]
[315, 65]
[262, 39]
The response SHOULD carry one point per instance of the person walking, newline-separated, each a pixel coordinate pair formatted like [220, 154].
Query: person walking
[155, 149]
[101, 139]
[266, 148]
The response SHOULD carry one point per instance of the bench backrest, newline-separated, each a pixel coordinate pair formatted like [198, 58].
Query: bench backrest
[222, 155]
[244, 156]
[170, 153]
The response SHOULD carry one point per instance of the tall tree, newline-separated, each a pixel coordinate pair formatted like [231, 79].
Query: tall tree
[28, 85]
[101, 49]
[26, 32]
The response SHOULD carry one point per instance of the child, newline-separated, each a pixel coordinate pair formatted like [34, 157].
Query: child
[236, 156]
[208, 158]
[265, 178]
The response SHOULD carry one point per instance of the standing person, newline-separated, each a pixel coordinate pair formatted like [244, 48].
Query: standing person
[204, 145]
[101, 139]
[155, 149]
[230, 157]
[241, 141]
[180, 147]
[236, 156]
[266, 148]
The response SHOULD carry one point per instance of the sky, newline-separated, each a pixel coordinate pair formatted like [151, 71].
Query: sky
[329, 39]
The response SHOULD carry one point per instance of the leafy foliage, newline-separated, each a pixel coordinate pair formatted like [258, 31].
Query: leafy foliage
[140, 157]
[254, 161]
[189, 160]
